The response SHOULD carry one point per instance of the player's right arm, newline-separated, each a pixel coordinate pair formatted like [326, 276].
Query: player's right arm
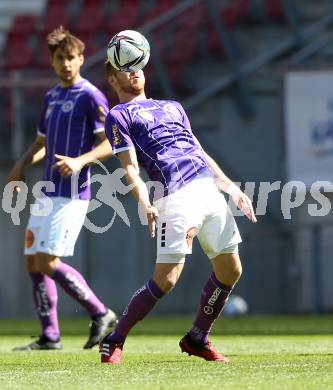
[117, 130]
[129, 162]
[34, 153]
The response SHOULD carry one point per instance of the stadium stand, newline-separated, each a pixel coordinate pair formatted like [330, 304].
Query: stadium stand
[126, 16]
[100, 19]
[56, 13]
[19, 49]
[91, 17]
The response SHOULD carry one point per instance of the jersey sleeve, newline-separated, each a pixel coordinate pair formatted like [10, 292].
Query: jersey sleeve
[117, 132]
[41, 129]
[99, 110]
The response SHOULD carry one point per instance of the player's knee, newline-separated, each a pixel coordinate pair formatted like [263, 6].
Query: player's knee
[237, 271]
[30, 265]
[167, 284]
[45, 263]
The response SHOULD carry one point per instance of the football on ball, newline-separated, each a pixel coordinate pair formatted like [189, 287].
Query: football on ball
[128, 51]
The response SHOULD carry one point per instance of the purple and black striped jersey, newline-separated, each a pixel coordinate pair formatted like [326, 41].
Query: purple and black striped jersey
[161, 134]
[70, 119]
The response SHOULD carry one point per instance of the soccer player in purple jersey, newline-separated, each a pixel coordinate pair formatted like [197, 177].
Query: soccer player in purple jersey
[157, 135]
[73, 114]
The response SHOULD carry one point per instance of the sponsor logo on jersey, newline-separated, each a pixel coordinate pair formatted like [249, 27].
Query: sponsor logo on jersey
[146, 115]
[67, 106]
[170, 108]
[116, 135]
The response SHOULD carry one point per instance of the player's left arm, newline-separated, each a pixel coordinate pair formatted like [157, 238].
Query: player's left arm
[223, 183]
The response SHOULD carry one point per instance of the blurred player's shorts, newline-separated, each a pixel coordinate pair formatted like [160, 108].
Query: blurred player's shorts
[197, 209]
[56, 232]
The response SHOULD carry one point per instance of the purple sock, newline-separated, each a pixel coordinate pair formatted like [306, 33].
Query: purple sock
[141, 303]
[46, 298]
[212, 300]
[75, 285]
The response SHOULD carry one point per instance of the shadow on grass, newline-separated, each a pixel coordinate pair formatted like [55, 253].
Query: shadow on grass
[169, 326]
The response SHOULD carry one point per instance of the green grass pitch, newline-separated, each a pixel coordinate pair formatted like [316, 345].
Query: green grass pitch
[280, 352]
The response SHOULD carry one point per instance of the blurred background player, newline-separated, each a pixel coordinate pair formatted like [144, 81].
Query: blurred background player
[157, 135]
[73, 114]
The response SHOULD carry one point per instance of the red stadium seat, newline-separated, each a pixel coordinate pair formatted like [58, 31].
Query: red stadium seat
[42, 56]
[91, 43]
[18, 53]
[91, 18]
[124, 18]
[160, 7]
[56, 14]
[275, 9]
[235, 13]
[23, 24]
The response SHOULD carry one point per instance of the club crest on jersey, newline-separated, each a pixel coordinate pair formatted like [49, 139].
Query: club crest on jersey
[67, 106]
[116, 135]
[146, 115]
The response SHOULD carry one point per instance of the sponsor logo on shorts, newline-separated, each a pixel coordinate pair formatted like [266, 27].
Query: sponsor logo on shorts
[29, 238]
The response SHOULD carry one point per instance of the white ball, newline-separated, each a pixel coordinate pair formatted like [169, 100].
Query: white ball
[235, 305]
[128, 51]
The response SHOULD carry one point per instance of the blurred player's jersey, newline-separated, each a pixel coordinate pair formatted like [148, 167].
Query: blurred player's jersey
[161, 134]
[69, 120]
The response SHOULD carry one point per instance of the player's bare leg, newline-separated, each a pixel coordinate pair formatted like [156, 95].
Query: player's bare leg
[227, 270]
[164, 278]
[166, 275]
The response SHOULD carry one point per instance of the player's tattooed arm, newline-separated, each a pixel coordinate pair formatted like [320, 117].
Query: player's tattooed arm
[68, 166]
[129, 162]
[34, 153]
[223, 183]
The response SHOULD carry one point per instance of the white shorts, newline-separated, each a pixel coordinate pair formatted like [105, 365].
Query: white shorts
[197, 209]
[57, 232]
